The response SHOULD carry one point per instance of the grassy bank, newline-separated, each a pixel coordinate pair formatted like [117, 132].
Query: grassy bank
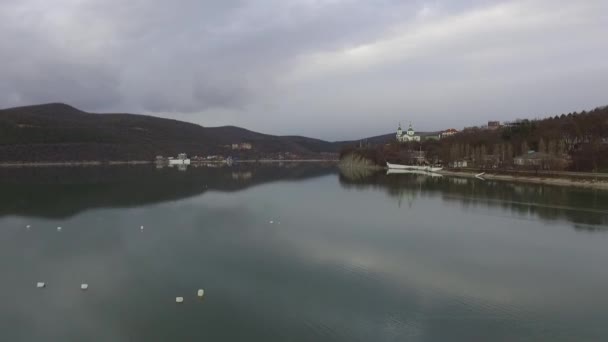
[355, 160]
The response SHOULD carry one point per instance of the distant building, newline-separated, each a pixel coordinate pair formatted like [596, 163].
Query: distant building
[408, 136]
[515, 123]
[490, 161]
[182, 159]
[242, 146]
[493, 125]
[448, 132]
[459, 163]
[540, 160]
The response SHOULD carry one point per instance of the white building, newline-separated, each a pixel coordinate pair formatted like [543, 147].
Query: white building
[408, 136]
[448, 132]
[459, 163]
[182, 159]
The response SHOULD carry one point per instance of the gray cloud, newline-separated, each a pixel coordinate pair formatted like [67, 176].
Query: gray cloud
[326, 68]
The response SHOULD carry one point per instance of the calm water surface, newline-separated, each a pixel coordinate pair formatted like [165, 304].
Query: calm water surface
[348, 257]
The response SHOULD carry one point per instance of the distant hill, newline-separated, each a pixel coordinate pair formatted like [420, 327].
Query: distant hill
[381, 139]
[59, 132]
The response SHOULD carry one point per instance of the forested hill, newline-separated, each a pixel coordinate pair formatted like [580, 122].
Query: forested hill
[573, 141]
[59, 132]
[382, 139]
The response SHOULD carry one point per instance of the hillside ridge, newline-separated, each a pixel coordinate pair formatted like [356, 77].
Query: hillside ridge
[60, 132]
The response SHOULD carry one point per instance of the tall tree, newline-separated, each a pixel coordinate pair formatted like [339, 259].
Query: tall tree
[552, 147]
[541, 146]
[524, 147]
[509, 154]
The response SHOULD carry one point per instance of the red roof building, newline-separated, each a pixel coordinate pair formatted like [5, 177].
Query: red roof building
[448, 132]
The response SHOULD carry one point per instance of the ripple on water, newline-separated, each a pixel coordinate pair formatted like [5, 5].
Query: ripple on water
[322, 331]
[356, 270]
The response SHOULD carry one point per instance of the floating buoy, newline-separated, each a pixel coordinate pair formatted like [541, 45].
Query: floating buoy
[40, 285]
[84, 286]
[141, 228]
[58, 229]
[200, 293]
[179, 299]
[271, 222]
[28, 226]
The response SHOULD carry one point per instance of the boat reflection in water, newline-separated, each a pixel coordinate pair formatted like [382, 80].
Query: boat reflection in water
[586, 209]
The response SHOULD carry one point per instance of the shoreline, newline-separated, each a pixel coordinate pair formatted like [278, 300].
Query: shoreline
[576, 179]
[145, 162]
[287, 161]
[589, 181]
[72, 163]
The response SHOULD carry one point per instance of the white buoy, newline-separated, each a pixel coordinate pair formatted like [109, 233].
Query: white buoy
[141, 228]
[84, 286]
[40, 285]
[200, 293]
[58, 229]
[28, 226]
[271, 222]
[179, 299]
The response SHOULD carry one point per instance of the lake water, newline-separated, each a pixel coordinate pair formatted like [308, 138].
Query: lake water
[347, 257]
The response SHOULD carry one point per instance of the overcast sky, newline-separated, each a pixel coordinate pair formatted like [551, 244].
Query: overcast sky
[332, 69]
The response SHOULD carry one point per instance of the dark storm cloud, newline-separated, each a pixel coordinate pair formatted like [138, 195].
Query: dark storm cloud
[356, 65]
[81, 85]
[185, 56]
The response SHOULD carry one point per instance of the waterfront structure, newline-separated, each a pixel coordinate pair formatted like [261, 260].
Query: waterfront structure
[459, 163]
[408, 136]
[181, 159]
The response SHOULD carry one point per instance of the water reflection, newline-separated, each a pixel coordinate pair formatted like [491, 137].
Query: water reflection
[587, 209]
[345, 264]
[63, 192]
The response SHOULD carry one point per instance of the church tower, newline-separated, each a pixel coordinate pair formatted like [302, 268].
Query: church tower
[410, 131]
[399, 133]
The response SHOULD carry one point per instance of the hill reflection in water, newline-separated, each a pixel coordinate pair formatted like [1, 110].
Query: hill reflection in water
[587, 209]
[60, 192]
[66, 191]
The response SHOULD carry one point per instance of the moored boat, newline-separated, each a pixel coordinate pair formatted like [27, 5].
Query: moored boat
[415, 172]
[413, 167]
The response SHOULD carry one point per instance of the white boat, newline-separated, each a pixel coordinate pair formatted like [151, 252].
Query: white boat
[413, 167]
[416, 172]
[181, 159]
